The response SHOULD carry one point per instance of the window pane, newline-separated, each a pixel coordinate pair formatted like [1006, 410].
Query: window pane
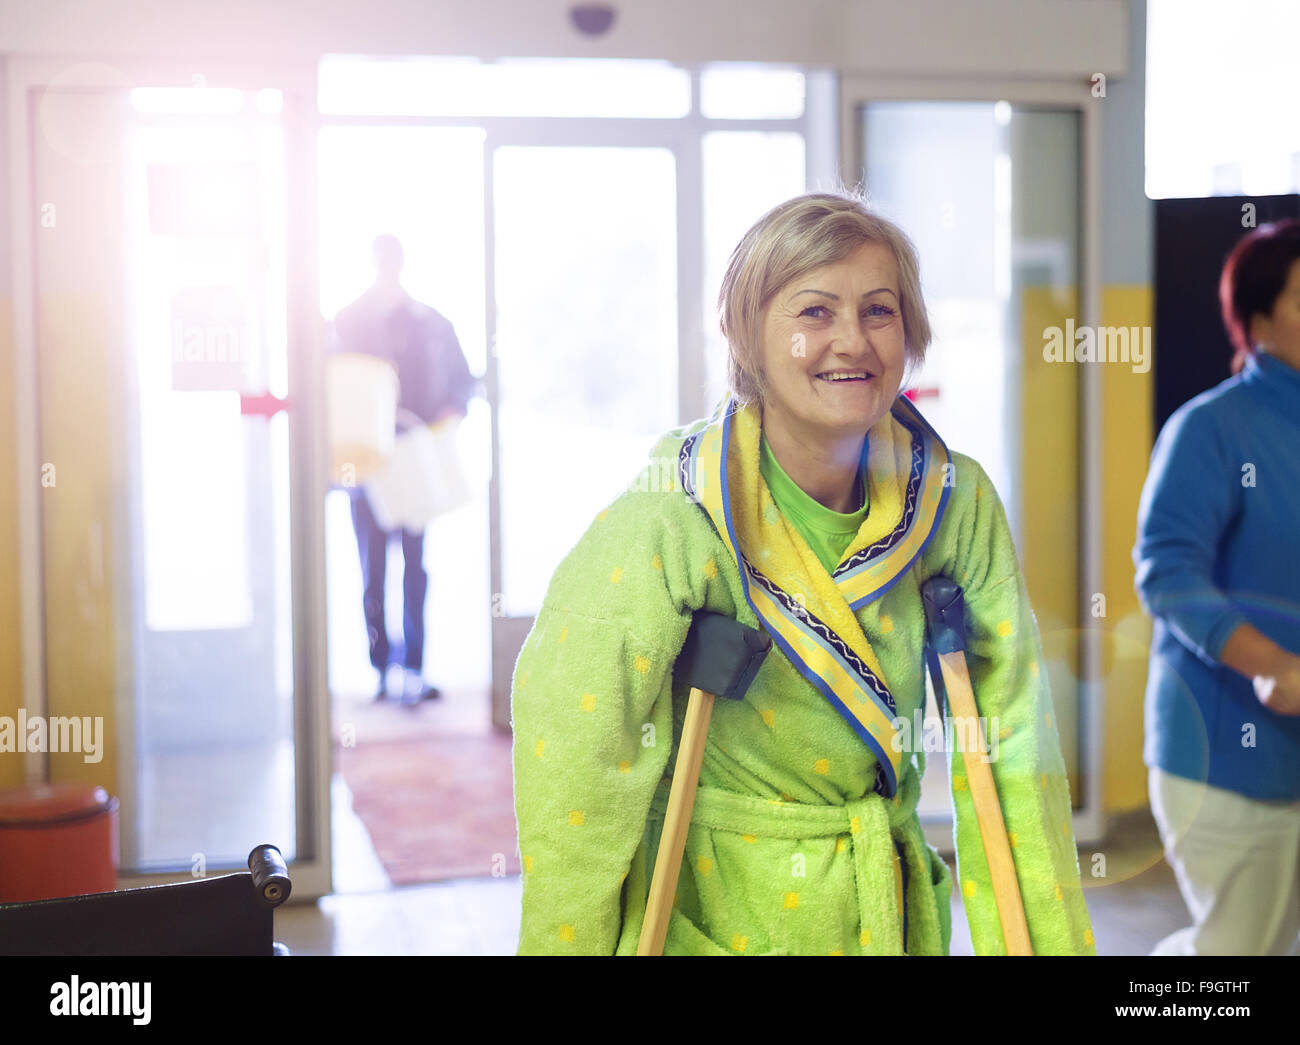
[746, 173]
[586, 342]
[1244, 96]
[573, 87]
[207, 491]
[751, 92]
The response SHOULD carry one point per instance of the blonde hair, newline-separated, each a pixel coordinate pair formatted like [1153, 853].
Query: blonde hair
[789, 241]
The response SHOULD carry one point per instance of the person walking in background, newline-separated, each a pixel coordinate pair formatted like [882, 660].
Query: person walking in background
[435, 384]
[1218, 568]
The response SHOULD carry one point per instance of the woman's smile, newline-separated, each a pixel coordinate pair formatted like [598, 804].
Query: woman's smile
[846, 377]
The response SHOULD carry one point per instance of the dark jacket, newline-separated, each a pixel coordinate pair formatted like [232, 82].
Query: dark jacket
[420, 342]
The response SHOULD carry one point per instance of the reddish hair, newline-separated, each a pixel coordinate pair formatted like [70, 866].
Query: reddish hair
[1253, 278]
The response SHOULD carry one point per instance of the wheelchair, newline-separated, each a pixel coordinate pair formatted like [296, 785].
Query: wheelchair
[229, 915]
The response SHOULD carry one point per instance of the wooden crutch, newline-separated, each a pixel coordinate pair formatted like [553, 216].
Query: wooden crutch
[720, 656]
[945, 612]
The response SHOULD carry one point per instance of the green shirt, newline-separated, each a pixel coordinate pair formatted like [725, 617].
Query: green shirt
[828, 533]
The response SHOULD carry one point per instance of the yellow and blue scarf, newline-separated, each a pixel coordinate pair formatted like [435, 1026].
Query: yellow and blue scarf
[809, 612]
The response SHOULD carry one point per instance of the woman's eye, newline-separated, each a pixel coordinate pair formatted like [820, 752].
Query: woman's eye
[876, 311]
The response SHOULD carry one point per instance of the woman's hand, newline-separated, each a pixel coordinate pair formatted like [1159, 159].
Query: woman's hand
[1279, 691]
[1273, 669]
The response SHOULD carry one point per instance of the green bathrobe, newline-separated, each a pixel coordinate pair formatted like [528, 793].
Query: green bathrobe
[791, 850]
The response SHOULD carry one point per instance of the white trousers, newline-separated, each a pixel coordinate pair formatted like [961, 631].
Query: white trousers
[1237, 861]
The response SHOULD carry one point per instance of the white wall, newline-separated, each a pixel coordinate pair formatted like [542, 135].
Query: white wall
[1039, 38]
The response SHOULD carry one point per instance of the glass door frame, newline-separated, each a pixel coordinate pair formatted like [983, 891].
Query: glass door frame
[857, 91]
[675, 136]
[683, 137]
[308, 473]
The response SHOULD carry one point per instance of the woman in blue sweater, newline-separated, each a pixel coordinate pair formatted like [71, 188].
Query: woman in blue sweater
[1218, 568]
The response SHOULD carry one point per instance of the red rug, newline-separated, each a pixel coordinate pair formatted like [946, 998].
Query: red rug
[436, 807]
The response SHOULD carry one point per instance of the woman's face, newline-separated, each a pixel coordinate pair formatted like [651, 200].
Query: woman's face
[833, 347]
[1280, 333]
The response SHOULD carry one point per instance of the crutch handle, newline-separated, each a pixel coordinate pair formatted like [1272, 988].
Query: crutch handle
[945, 611]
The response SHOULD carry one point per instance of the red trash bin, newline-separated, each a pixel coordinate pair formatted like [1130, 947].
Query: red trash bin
[57, 840]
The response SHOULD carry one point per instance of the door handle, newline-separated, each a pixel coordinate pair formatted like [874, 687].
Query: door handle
[264, 405]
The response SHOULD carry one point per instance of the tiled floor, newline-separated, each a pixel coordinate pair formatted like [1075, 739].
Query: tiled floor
[1137, 905]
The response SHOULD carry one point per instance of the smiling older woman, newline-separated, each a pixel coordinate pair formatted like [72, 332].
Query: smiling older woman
[812, 504]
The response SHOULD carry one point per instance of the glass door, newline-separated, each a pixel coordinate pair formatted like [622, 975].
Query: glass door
[179, 401]
[208, 484]
[990, 193]
[584, 366]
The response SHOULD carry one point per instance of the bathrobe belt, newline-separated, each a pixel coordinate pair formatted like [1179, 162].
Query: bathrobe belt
[878, 830]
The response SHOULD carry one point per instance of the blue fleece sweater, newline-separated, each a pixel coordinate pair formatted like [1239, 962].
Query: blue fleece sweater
[1219, 545]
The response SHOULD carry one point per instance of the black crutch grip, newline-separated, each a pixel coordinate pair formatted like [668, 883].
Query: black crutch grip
[945, 615]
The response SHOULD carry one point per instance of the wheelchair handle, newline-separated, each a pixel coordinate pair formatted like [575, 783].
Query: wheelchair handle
[270, 875]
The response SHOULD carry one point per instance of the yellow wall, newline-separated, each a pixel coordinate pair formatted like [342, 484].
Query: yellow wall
[1051, 546]
[1126, 434]
[80, 332]
[11, 763]
[1049, 498]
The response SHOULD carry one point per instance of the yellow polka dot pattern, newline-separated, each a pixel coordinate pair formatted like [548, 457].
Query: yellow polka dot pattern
[788, 901]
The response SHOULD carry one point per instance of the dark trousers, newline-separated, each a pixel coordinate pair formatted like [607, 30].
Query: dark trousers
[372, 543]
